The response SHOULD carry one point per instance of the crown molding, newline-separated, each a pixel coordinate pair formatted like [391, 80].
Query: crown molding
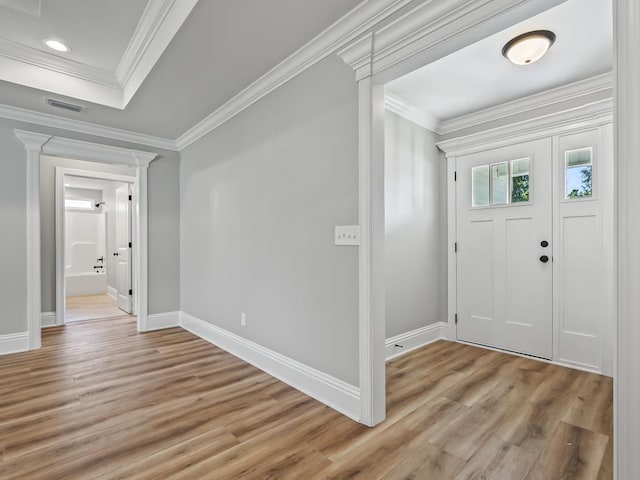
[399, 106]
[586, 116]
[69, 148]
[433, 30]
[34, 68]
[355, 23]
[158, 25]
[536, 101]
[54, 121]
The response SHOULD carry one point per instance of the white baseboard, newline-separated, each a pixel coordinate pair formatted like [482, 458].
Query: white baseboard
[415, 339]
[14, 343]
[159, 321]
[335, 393]
[48, 319]
[112, 292]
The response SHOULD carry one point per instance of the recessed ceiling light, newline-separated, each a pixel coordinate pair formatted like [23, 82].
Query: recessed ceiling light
[529, 47]
[57, 45]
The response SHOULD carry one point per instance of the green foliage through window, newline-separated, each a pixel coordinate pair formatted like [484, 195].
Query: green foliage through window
[520, 189]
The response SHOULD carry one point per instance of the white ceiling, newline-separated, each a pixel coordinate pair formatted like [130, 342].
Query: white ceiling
[221, 48]
[114, 44]
[99, 44]
[478, 76]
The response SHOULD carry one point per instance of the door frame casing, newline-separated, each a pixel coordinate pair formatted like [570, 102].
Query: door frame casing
[37, 144]
[431, 31]
[565, 122]
[421, 36]
[60, 222]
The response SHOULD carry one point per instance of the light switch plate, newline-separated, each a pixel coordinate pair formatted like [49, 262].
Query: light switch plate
[348, 235]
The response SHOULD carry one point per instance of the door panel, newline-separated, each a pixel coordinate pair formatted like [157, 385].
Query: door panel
[123, 239]
[504, 289]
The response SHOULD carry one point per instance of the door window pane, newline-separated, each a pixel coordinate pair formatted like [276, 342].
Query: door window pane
[500, 183]
[578, 170]
[520, 180]
[480, 186]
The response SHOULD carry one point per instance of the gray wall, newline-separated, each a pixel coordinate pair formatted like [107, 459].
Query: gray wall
[164, 288]
[260, 197]
[415, 219]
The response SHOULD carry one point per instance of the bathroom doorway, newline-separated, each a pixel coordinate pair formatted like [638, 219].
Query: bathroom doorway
[94, 232]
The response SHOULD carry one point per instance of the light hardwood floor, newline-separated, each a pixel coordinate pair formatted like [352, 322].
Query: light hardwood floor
[89, 307]
[100, 401]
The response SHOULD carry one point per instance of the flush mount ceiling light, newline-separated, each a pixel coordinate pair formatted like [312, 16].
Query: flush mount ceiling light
[57, 45]
[529, 47]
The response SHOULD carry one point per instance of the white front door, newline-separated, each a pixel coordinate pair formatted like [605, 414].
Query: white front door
[123, 244]
[504, 248]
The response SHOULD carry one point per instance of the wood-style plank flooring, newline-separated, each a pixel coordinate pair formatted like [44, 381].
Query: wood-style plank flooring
[100, 401]
[90, 307]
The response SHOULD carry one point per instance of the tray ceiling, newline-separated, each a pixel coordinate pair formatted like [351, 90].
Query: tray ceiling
[114, 44]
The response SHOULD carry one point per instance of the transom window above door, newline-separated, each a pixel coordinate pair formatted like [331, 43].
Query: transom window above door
[499, 184]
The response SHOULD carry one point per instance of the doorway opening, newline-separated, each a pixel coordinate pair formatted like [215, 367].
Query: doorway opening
[95, 235]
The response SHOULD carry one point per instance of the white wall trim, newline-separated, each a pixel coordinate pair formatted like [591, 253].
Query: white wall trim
[33, 144]
[95, 152]
[55, 121]
[352, 25]
[597, 84]
[159, 23]
[14, 343]
[160, 321]
[48, 319]
[331, 391]
[60, 222]
[583, 117]
[399, 106]
[112, 292]
[627, 138]
[415, 339]
[36, 144]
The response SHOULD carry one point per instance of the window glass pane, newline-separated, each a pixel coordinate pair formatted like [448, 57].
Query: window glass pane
[578, 182]
[480, 186]
[520, 180]
[83, 204]
[500, 183]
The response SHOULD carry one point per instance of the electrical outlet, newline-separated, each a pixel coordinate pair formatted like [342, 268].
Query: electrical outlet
[243, 319]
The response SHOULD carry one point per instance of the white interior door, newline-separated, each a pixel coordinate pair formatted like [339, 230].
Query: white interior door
[123, 244]
[504, 248]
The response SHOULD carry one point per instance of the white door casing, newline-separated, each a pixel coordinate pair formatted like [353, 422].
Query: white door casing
[583, 235]
[418, 38]
[123, 242]
[41, 144]
[504, 287]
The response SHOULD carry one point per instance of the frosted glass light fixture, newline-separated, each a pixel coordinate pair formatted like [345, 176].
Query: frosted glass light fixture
[529, 47]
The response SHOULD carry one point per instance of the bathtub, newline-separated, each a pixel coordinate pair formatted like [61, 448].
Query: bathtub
[88, 283]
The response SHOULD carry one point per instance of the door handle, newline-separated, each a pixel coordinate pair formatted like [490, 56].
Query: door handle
[544, 244]
[115, 254]
[544, 259]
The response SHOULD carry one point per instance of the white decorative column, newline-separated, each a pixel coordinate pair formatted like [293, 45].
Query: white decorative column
[33, 143]
[141, 286]
[371, 218]
[627, 133]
